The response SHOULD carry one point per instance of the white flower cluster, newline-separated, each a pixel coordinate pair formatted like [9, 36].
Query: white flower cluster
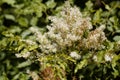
[95, 38]
[24, 55]
[108, 57]
[69, 27]
[67, 31]
[75, 55]
[45, 44]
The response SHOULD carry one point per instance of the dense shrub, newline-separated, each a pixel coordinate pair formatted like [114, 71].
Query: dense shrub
[50, 40]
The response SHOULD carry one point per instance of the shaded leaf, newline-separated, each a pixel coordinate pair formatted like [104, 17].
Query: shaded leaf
[23, 22]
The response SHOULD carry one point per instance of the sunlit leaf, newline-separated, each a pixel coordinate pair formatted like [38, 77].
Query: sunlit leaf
[116, 38]
[33, 21]
[80, 65]
[50, 4]
[107, 7]
[24, 64]
[11, 2]
[11, 17]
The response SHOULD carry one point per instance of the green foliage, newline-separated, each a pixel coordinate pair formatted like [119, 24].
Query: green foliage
[109, 15]
[16, 39]
[59, 63]
[16, 16]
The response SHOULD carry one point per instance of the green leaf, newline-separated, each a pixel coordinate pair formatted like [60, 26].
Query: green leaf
[89, 5]
[115, 4]
[24, 64]
[39, 13]
[8, 16]
[21, 76]
[107, 7]
[7, 34]
[25, 33]
[112, 19]
[114, 64]
[2, 55]
[50, 4]
[33, 21]
[15, 29]
[97, 16]
[33, 47]
[80, 65]
[100, 56]
[117, 31]
[110, 28]
[11, 2]
[116, 38]
[23, 22]
[62, 65]
[4, 76]
[20, 47]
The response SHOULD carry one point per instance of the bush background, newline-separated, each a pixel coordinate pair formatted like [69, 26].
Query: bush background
[16, 16]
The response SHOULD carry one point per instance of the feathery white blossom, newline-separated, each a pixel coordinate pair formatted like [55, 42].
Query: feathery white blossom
[75, 55]
[67, 31]
[95, 58]
[96, 38]
[108, 57]
[24, 55]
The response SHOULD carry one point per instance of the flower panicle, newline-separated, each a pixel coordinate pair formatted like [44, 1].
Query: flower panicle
[67, 31]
